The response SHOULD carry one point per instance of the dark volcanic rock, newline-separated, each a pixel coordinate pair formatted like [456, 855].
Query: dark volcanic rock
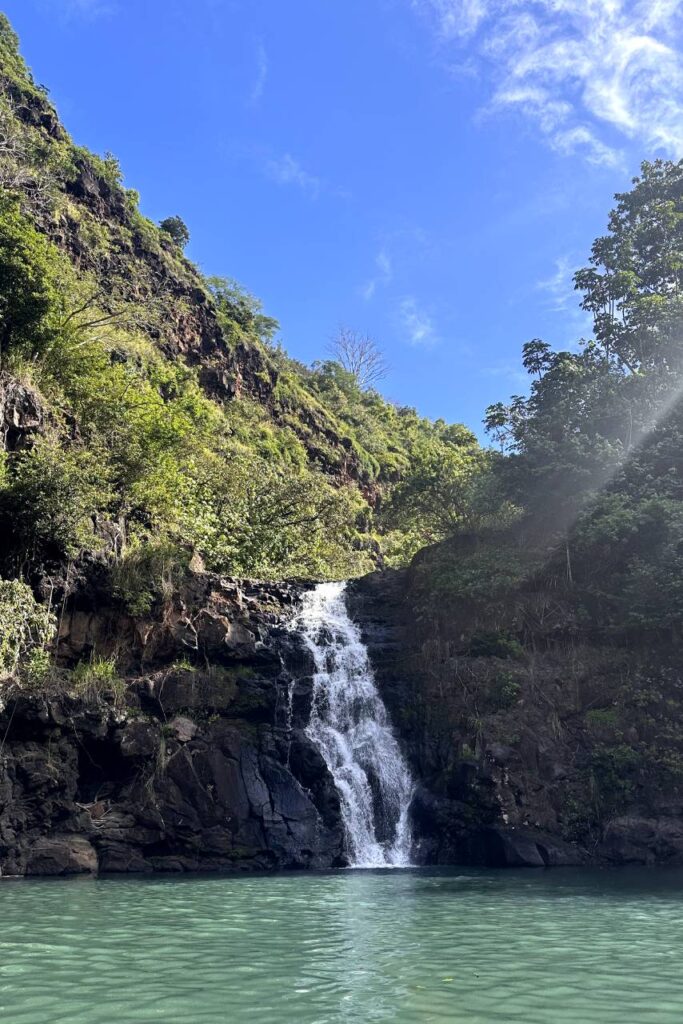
[497, 782]
[207, 765]
[521, 848]
[22, 415]
[61, 855]
[638, 840]
[205, 768]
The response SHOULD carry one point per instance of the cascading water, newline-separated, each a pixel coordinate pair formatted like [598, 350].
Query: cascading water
[350, 726]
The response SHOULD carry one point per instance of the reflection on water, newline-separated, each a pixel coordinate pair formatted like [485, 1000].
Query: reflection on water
[585, 947]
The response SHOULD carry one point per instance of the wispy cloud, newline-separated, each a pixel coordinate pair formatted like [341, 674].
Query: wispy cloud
[261, 77]
[559, 286]
[584, 72]
[383, 275]
[563, 299]
[82, 8]
[417, 324]
[285, 170]
[511, 372]
[455, 17]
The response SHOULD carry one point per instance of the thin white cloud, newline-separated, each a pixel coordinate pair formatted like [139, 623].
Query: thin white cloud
[510, 371]
[454, 17]
[83, 8]
[383, 276]
[563, 299]
[559, 286]
[417, 324]
[285, 170]
[587, 73]
[262, 67]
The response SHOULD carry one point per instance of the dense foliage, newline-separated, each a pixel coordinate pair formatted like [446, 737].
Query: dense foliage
[592, 452]
[590, 458]
[26, 629]
[577, 603]
[171, 424]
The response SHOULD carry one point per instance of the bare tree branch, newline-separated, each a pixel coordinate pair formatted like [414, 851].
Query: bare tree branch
[359, 354]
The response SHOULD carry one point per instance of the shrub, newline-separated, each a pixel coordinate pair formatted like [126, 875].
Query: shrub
[177, 229]
[485, 644]
[27, 628]
[506, 690]
[149, 571]
[241, 313]
[47, 504]
[615, 772]
[97, 679]
[28, 267]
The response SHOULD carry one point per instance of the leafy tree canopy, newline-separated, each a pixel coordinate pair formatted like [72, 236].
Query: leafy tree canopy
[177, 229]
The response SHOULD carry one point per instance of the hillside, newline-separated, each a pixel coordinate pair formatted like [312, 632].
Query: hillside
[149, 413]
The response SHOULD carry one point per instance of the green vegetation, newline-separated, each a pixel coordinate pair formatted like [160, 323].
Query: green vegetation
[177, 229]
[587, 476]
[580, 575]
[172, 423]
[172, 426]
[26, 630]
[97, 679]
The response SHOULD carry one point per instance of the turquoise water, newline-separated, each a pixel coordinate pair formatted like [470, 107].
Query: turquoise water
[539, 947]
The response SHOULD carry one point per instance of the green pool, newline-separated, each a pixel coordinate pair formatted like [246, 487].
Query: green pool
[477, 947]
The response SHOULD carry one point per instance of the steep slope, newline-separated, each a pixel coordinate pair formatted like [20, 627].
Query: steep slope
[156, 444]
[104, 302]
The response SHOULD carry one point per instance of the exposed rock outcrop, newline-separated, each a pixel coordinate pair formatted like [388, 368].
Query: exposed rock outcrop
[22, 415]
[199, 760]
[507, 777]
[192, 768]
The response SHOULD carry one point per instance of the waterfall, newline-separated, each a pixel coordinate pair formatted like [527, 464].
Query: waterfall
[350, 726]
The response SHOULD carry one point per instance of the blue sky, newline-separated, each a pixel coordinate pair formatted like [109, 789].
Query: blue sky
[427, 171]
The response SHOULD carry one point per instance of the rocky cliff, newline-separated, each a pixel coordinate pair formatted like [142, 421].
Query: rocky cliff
[197, 757]
[197, 760]
[517, 750]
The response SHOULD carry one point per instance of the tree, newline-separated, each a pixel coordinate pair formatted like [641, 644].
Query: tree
[177, 229]
[28, 290]
[536, 356]
[497, 423]
[590, 412]
[238, 307]
[634, 284]
[358, 353]
[444, 491]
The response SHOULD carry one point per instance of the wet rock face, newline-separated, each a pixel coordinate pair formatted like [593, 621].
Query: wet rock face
[203, 769]
[492, 801]
[212, 619]
[634, 839]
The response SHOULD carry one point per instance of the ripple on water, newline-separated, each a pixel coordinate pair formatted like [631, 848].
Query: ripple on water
[411, 946]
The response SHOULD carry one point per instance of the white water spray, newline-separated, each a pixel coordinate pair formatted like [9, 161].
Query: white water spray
[350, 726]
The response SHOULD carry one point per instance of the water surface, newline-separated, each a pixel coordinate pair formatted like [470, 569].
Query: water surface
[538, 947]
